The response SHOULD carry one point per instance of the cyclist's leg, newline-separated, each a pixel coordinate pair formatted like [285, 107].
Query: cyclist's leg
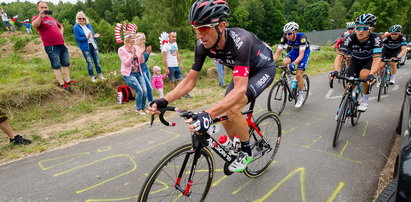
[347, 60]
[302, 65]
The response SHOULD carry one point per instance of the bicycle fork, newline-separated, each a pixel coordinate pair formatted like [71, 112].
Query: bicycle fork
[186, 191]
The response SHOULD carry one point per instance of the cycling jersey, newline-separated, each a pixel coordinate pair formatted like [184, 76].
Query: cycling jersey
[341, 39]
[300, 42]
[368, 49]
[392, 47]
[244, 53]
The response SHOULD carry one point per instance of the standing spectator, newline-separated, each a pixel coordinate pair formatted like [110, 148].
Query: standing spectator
[141, 42]
[131, 57]
[27, 24]
[172, 62]
[220, 71]
[5, 20]
[5, 126]
[13, 28]
[86, 39]
[157, 80]
[51, 33]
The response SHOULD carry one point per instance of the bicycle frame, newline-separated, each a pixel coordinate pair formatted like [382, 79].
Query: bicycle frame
[284, 79]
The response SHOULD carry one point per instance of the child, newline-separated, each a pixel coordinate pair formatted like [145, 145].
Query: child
[157, 80]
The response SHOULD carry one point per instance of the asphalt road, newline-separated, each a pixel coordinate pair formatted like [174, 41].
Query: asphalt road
[306, 168]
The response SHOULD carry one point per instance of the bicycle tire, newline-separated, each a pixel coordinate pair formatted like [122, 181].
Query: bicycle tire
[160, 184]
[306, 87]
[387, 83]
[382, 84]
[355, 114]
[342, 72]
[277, 97]
[340, 119]
[264, 149]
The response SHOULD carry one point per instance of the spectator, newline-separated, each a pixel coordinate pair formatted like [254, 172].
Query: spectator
[131, 57]
[14, 138]
[5, 20]
[157, 80]
[172, 62]
[141, 40]
[86, 39]
[51, 33]
[27, 24]
[220, 71]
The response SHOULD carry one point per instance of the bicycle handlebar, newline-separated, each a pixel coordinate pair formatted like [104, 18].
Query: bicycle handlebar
[390, 60]
[347, 79]
[285, 68]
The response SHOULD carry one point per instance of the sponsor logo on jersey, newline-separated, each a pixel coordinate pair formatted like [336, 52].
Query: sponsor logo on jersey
[237, 39]
[303, 40]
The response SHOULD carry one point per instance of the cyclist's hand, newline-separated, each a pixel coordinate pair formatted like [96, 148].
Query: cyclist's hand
[333, 74]
[200, 122]
[156, 104]
[291, 66]
[371, 79]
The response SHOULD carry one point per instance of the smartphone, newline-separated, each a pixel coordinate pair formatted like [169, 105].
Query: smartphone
[48, 12]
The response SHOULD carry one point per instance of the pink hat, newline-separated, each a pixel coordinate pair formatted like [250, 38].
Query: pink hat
[156, 69]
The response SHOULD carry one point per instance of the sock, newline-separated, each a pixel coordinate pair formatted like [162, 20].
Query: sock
[366, 96]
[245, 147]
[392, 76]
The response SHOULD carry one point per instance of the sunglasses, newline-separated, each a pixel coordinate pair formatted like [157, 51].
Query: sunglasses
[362, 28]
[204, 29]
[394, 33]
[81, 18]
[288, 33]
[350, 28]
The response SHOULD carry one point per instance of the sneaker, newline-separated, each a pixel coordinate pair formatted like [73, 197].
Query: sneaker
[93, 79]
[71, 82]
[100, 76]
[392, 80]
[141, 112]
[146, 111]
[18, 139]
[65, 87]
[240, 164]
[187, 96]
[363, 106]
[300, 100]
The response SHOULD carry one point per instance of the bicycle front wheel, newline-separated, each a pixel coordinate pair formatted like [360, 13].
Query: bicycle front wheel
[355, 114]
[382, 84]
[341, 115]
[160, 185]
[277, 97]
[264, 147]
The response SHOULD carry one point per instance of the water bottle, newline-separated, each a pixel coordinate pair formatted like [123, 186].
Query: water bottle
[225, 142]
[294, 84]
[119, 97]
[236, 145]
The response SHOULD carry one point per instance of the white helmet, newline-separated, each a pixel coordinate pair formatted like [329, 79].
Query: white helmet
[291, 26]
[350, 25]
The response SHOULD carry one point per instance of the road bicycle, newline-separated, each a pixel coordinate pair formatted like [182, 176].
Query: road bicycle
[343, 71]
[187, 172]
[385, 77]
[349, 104]
[277, 97]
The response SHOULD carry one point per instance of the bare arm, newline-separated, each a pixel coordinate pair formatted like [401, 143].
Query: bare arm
[375, 65]
[403, 51]
[165, 62]
[337, 62]
[61, 30]
[277, 54]
[179, 61]
[299, 58]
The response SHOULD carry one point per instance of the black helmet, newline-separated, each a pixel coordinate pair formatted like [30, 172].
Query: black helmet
[366, 19]
[396, 28]
[208, 11]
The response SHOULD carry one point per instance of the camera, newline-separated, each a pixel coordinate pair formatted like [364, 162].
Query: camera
[48, 12]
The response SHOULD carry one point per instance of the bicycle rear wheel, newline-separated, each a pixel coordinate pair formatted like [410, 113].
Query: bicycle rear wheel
[160, 184]
[306, 87]
[277, 97]
[341, 114]
[264, 148]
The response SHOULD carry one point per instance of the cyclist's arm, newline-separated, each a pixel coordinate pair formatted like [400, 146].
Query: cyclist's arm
[277, 54]
[337, 62]
[403, 51]
[232, 98]
[375, 65]
[299, 58]
[184, 87]
[338, 43]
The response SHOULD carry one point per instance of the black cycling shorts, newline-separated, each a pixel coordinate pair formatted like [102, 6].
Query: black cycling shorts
[257, 82]
[3, 116]
[357, 65]
[388, 54]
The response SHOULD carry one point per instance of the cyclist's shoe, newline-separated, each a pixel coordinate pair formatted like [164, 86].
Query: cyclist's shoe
[392, 80]
[363, 106]
[18, 139]
[65, 87]
[300, 100]
[240, 164]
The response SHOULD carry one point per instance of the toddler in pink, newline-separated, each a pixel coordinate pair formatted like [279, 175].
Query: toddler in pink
[157, 80]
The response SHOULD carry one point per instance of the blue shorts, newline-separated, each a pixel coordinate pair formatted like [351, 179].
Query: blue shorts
[175, 74]
[293, 54]
[58, 55]
[6, 23]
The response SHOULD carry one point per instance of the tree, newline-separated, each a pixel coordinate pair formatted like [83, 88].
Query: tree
[336, 12]
[316, 16]
[102, 5]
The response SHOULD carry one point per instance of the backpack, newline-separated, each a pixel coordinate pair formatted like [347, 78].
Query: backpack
[127, 93]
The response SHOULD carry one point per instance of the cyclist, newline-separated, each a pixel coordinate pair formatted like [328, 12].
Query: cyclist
[350, 29]
[394, 46]
[299, 55]
[365, 49]
[238, 49]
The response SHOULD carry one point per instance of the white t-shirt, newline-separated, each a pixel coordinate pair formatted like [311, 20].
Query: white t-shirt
[91, 39]
[4, 17]
[171, 49]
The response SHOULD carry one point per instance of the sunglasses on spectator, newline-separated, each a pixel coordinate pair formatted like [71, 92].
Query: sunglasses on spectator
[288, 33]
[81, 18]
[394, 33]
[204, 29]
[362, 28]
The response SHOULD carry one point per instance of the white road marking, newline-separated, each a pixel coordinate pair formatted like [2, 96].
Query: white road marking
[329, 97]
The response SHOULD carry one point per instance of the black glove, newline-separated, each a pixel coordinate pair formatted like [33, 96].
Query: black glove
[334, 74]
[161, 103]
[371, 78]
[202, 121]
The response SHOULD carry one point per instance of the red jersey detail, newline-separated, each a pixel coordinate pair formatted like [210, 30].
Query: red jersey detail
[241, 71]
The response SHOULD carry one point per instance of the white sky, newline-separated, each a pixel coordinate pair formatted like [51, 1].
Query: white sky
[35, 1]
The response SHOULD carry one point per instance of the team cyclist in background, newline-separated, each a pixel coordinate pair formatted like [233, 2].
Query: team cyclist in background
[253, 71]
[365, 49]
[299, 55]
[350, 29]
[394, 46]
